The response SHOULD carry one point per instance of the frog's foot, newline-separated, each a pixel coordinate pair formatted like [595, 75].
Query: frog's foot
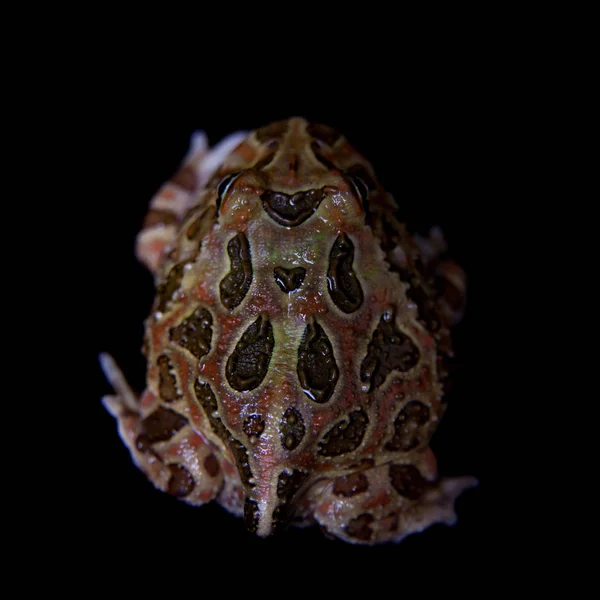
[161, 442]
[175, 198]
[389, 502]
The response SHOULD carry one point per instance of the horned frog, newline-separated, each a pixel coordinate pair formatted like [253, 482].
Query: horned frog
[298, 344]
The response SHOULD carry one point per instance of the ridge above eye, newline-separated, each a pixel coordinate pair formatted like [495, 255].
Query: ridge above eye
[223, 186]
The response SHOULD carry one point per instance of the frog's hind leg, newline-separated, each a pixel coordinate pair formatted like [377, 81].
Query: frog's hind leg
[389, 502]
[175, 198]
[162, 443]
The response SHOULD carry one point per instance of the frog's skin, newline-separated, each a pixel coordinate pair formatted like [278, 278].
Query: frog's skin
[298, 344]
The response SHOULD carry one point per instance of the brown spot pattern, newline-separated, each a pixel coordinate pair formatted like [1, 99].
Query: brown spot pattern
[359, 527]
[350, 485]
[235, 285]
[344, 288]
[159, 426]
[241, 459]
[287, 486]
[211, 465]
[185, 178]
[195, 332]
[345, 436]
[289, 483]
[167, 383]
[292, 428]
[291, 211]
[325, 134]
[410, 427]
[251, 515]
[407, 481]
[208, 401]
[272, 131]
[165, 290]
[317, 370]
[253, 426]
[249, 362]
[289, 280]
[181, 482]
[389, 350]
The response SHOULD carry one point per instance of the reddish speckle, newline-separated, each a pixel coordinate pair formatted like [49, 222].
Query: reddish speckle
[195, 413]
[147, 399]
[196, 441]
[324, 507]
[167, 193]
[381, 499]
[206, 495]
[245, 151]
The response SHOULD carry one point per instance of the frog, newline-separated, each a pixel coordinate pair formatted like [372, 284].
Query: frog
[299, 345]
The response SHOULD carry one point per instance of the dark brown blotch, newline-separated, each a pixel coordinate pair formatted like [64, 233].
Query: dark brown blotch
[390, 349]
[272, 131]
[185, 178]
[181, 483]
[317, 369]
[350, 485]
[208, 402]
[249, 361]
[251, 515]
[235, 285]
[288, 484]
[241, 459]
[344, 288]
[320, 155]
[167, 382]
[289, 280]
[345, 436]
[292, 428]
[211, 465]
[323, 133]
[410, 427]
[407, 481]
[253, 426]
[359, 527]
[293, 210]
[194, 333]
[159, 426]
[165, 290]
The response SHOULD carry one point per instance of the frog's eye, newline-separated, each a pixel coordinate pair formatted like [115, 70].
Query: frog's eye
[223, 186]
[362, 183]
[360, 187]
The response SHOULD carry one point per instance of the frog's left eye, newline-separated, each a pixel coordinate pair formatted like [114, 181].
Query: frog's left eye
[223, 186]
[360, 187]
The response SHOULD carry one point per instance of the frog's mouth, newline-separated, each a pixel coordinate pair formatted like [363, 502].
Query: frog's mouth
[291, 211]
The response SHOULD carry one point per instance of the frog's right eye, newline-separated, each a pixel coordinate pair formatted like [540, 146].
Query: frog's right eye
[223, 186]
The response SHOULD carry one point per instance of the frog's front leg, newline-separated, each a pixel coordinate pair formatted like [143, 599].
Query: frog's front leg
[175, 198]
[162, 443]
[388, 502]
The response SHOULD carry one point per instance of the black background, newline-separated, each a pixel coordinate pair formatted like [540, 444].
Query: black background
[440, 149]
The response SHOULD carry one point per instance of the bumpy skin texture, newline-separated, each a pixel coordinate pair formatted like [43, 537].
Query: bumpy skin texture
[298, 345]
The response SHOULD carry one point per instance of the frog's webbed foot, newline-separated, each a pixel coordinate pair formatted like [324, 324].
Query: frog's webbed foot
[174, 199]
[161, 441]
[389, 502]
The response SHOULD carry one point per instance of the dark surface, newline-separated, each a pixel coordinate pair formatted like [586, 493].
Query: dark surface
[439, 156]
